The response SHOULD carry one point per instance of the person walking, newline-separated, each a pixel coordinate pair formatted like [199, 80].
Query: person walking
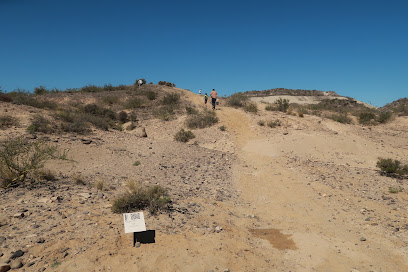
[199, 92]
[214, 96]
[205, 99]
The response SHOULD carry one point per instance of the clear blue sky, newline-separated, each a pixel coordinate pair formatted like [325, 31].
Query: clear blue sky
[357, 48]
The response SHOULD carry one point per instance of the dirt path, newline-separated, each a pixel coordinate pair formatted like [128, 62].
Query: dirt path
[323, 228]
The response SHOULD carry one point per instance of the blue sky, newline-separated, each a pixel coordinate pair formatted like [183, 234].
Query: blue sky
[357, 48]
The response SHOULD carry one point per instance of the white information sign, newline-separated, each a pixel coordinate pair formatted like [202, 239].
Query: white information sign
[134, 222]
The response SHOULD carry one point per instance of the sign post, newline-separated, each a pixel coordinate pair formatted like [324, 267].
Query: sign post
[134, 222]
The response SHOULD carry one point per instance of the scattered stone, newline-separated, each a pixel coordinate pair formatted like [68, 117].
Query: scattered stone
[17, 254]
[137, 244]
[86, 141]
[2, 239]
[18, 215]
[40, 240]
[4, 267]
[16, 264]
[363, 239]
[218, 229]
[140, 132]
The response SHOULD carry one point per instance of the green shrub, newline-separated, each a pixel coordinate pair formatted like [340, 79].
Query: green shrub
[139, 197]
[136, 163]
[91, 89]
[41, 124]
[20, 158]
[184, 135]
[191, 110]
[5, 98]
[202, 120]
[8, 121]
[165, 113]
[275, 123]
[151, 95]
[271, 107]
[123, 117]
[282, 104]
[170, 99]
[394, 190]
[165, 83]
[73, 122]
[110, 100]
[251, 107]
[384, 117]
[392, 167]
[237, 100]
[341, 118]
[223, 128]
[366, 118]
[133, 103]
[40, 90]
[100, 111]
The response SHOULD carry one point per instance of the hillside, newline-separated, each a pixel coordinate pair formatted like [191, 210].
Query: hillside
[305, 195]
[399, 106]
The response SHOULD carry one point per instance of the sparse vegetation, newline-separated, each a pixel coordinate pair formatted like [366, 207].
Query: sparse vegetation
[202, 120]
[251, 107]
[136, 163]
[191, 110]
[79, 179]
[282, 104]
[20, 158]
[8, 121]
[40, 90]
[101, 185]
[237, 100]
[223, 128]
[165, 83]
[394, 190]
[366, 118]
[110, 100]
[40, 124]
[133, 103]
[273, 124]
[184, 135]
[341, 118]
[271, 107]
[139, 197]
[392, 167]
[261, 123]
[165, 113]
[123, 117]
[171, 99]
[384, 117]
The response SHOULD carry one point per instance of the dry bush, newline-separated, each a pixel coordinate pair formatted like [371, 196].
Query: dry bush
[170, 99]
[101, 185]
[275, 123]
[20, 158]
[251, 107]
[41, 124]
[392, 167]
[341, 118]
[184, 135]
[8, 121]
[79, 179]
[237, 100]
[282, 104]
[202, 120]
[261, 123]
[139, 197]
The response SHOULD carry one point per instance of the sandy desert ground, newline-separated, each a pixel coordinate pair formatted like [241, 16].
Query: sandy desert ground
[305, 196]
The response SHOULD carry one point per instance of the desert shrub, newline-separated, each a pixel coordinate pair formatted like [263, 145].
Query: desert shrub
[79, 179]
[384, 117]
[136, 163]
[5, 98]
[73, 122]
[165, 83]
[97, 121]
[251, 107]
[366, 118]
[91, 89]
[394, 190]
[45, 174]
[271, 107]
[41, 124]
[8, 121]
[138, 197]
[110, 100]
[261, 123]
[132, 116]
[191, 110]
[341, 118]
[40, 90]
[100, 111]
[184, 135]
[237, 100]
[282, 104]
[133, 103]
[108, 87]
[151, 95]
[202, 120]
[300, 114]
[223, 128]
[275, 123]
[392, 167]
[20, 158]
[24, 98]
[123, 117]
[101, 185]
[165, 113]
[170, 99]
